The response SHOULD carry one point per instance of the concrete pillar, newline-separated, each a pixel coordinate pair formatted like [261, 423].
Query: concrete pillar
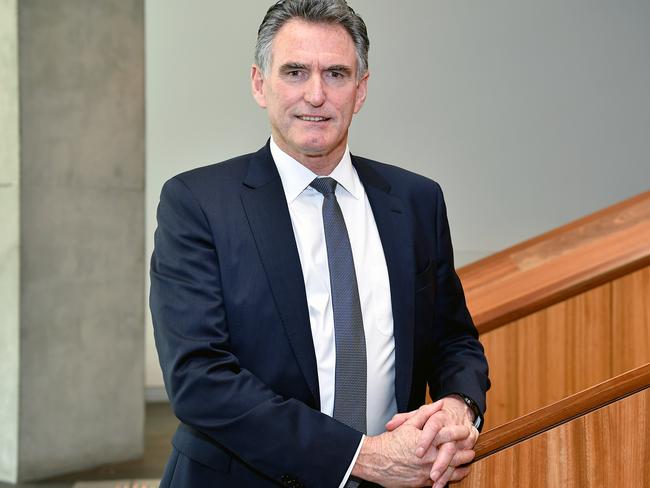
[9, 240]
[72, 235]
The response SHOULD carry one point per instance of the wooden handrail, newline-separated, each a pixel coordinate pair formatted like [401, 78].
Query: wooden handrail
[558, 264]
[563, 411]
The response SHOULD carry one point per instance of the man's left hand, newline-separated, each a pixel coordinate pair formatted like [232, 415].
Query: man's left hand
[449, 415]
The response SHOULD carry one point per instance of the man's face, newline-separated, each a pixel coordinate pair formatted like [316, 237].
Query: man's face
[311, 91]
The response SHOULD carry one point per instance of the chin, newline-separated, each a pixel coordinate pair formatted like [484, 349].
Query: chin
[314, 149]
[313, 152]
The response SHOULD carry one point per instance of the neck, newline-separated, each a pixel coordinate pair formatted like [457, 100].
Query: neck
[320, 164]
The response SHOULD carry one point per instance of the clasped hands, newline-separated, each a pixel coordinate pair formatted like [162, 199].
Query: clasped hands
[425, 447]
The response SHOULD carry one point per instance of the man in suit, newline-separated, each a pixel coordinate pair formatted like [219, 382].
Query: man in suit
[302, 296]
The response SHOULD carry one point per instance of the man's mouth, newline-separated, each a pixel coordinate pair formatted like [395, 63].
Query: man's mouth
[312, 118]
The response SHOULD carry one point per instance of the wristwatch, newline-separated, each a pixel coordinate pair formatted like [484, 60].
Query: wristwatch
[478, 418]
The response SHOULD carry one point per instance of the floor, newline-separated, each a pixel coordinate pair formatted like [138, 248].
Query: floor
[160, 425]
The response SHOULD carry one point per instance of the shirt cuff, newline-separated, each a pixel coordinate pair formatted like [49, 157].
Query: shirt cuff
[354, 460]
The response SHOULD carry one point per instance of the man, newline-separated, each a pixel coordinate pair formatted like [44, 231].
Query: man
[302, 296]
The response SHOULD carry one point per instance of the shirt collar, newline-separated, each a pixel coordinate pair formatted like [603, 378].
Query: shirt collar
[296, 177]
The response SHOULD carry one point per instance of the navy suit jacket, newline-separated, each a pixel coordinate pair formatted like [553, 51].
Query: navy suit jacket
[232, 325]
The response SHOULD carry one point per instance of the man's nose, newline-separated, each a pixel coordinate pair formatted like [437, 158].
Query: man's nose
[314, 92]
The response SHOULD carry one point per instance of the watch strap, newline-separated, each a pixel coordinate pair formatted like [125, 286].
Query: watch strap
[478, 418]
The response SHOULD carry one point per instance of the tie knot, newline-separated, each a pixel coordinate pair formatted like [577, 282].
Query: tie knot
[326, 185]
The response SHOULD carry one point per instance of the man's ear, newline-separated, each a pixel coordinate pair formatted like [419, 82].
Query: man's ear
[362, 92]
[257, 86]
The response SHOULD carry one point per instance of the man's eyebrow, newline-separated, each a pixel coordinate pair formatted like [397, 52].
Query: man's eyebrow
[291, 66]
[340, 67]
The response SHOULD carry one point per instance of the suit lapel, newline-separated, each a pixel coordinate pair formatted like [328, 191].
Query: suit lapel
[395, 236]
[268, 215]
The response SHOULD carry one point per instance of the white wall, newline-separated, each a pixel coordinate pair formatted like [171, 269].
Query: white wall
[529, 113]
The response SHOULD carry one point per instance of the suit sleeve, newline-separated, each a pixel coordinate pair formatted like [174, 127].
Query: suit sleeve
[208, 390]
[461, 366]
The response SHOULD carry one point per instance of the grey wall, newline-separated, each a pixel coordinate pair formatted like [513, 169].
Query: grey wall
[71, 235]
[82, 266]
[529, 113]
[9, 239]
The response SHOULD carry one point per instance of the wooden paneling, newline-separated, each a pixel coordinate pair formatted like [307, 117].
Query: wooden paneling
[631, 321]
[568, 408]
[548, 355]
[607, 447]
[559, 264]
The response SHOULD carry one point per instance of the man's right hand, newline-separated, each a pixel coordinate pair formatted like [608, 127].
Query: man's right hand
[389, 459]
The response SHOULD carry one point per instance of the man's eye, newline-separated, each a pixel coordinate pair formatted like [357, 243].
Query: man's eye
[295, 74]
[336, 74]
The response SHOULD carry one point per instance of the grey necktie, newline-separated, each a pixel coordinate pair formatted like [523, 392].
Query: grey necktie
[350, 376]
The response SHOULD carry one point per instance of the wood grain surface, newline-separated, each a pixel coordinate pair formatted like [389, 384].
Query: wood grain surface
[606, 447]
[559, 264]
[548, 355]
[534, 423]
[631, 321]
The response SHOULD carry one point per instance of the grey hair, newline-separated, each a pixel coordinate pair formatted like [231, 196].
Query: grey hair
[325, 11]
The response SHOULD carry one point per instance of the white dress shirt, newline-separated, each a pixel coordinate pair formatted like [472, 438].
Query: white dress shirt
[305, 208]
